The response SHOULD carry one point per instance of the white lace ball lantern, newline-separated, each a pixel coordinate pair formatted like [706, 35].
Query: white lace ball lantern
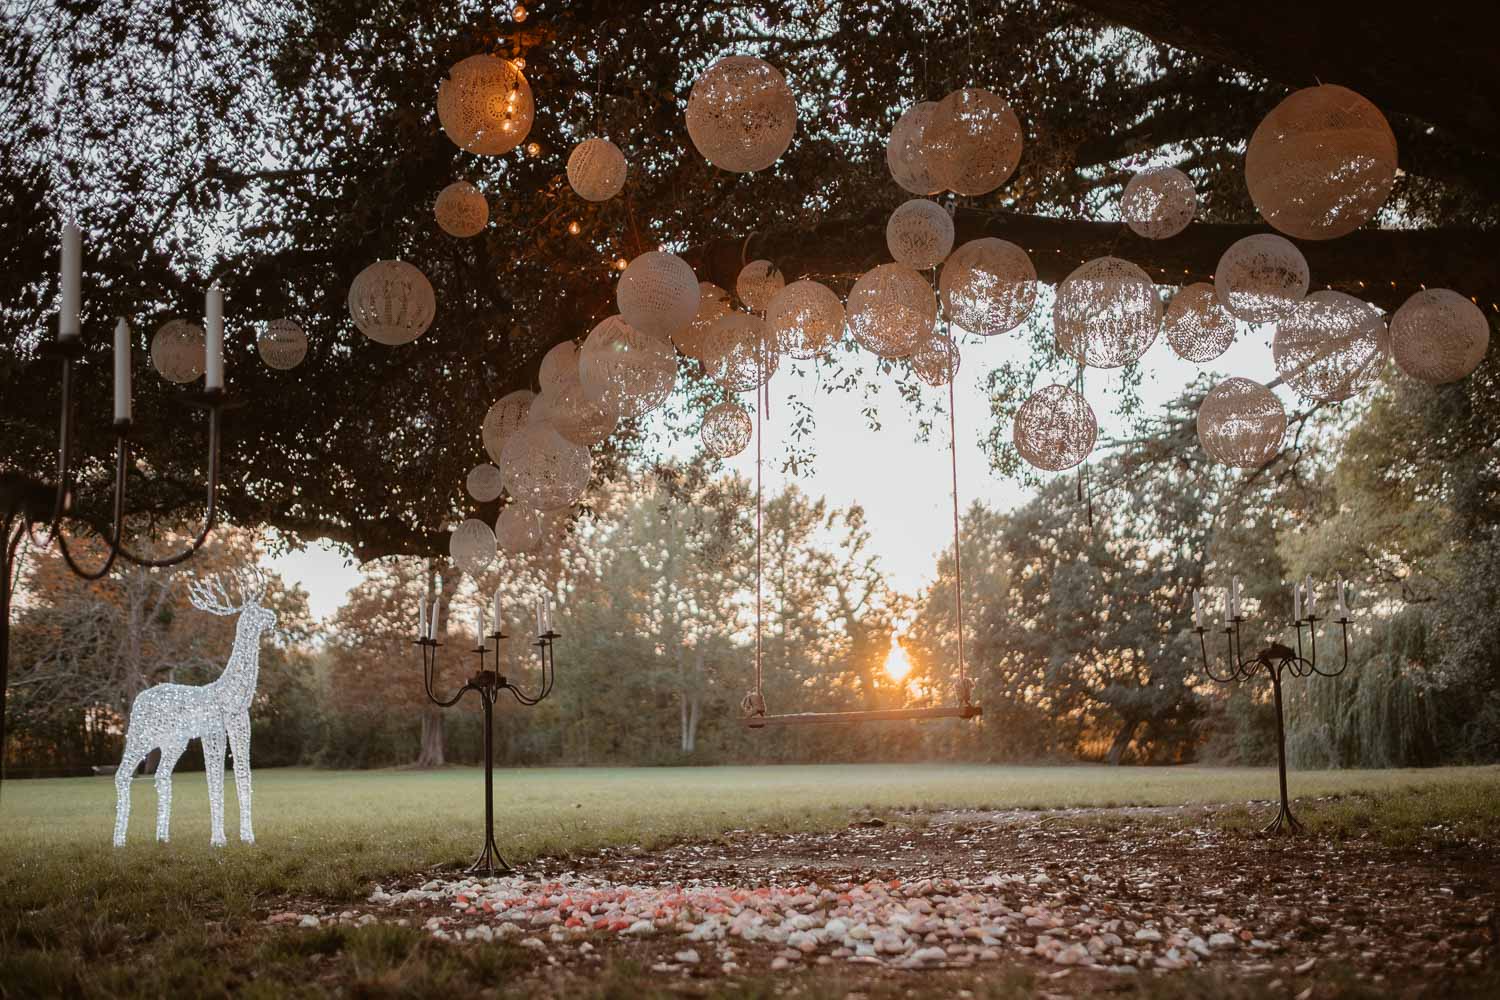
[936, 362]
[1262, 278]
[973, 141]
[392, 302]
[625, 370]
[544, 470]
[1331, 347]
[1055, 428]
[892, 310]
[596, 170]
[484, 482]
[282, 344]
[1159, 203]
[805, 319]
[757, 284]
[504, 418]
[1199, 328]
[906, 151]
[485, 105]
[658, 294]
[726, 430]
[1439, 336]
[177, 350]
[988, 286]
[559, 367]
[1107, 313]
[577, 416]
[518, 529]
[1241, 423]
[741, 115]
[740, 353]
[472, 547]
[713, 303]
[919, 234]
[1321, 164]
[461, 210]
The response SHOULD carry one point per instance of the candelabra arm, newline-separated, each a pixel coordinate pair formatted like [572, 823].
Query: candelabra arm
[544, 644]
[1231, 636]
[429, 649]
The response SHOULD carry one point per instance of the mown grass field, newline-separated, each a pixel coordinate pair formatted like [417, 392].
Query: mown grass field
[77, 916]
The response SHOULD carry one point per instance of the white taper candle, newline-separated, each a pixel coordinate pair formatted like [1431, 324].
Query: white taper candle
[72, 283]
[122, 371]
[213, 341]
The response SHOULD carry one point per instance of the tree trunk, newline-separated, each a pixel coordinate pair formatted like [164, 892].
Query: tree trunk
[431, 754]
[1122, 741]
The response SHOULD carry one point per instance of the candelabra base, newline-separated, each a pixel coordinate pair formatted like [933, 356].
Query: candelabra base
[490, 863]
[1284, 823]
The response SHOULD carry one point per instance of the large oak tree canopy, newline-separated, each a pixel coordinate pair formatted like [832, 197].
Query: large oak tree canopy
[282, 146]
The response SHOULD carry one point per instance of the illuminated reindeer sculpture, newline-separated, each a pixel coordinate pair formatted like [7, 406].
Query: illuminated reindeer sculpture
[167, 716]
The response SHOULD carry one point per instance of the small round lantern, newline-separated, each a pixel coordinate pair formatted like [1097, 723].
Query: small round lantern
[739, 353]
[518, 529]
[1055, 428]
[461, 210]
[757, 284]
[559, 368]
[805, 319]
[1241, 423]
[973, 141]
[596, 169]
[1331, 347]
[1262, 278]
[1439, 336]
[485, 105]
[988, 286]
[484, 482]
[658, 294]
[1198, 326]
[1159, 203]
[575, 414]
[726, 429]
[919, 234]
[1107, 313]
[713, 302]
[282, 344]
[508, 415]
[741, 114]
[472, 547]
[391, 302]
[177, 350]
[544, 470]
[891, 310]
[936, 362]
[906, 152]
[625, 370]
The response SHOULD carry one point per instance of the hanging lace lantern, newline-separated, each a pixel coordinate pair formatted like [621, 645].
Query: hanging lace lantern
[518, 529]
[658, 294]
[472, 547]
[485, 105]
[988, 286]
[177, 350]
[741, 114]
[596, 169]
[504, 418]
[758, 283]
[973, 141]
[906, 152]
[544, 470]
[575, 414]
[739, 353]
[936, 361]
[891, 310]
[559, 368]
[1331, 346]
[484, 482]
[919, 234]
[282, 344]
[726, 429]
[391, 302]
[626, 371]
[1321, 164]
[713, 302]
[1107, 313]
[805, 319]
[1262, 277]
[1159, 203]
[461, 210]
[1055, 428]
[1439, 336]
[1241, 423]
[1198, 326]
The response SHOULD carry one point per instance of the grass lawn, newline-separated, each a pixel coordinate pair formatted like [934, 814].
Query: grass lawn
[78, 916]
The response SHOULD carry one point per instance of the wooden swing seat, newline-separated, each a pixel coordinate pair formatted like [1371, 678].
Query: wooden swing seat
[872, 715]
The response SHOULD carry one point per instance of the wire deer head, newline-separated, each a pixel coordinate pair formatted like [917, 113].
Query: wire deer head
[237, 593]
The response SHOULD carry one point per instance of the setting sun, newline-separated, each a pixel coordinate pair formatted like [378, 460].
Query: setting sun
[897, 663]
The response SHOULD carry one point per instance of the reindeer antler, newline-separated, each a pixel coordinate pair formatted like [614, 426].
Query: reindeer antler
[212, 593]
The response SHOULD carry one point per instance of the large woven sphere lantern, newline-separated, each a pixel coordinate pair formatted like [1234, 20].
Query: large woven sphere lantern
[1055, 428]
[1241, 423]
[1159, 203]
[472, 547]
[625, 370]
[973, 141]
[391, 302]
[805, 319]
[740, 354]
[485, 105]
[988, 286]
[177, 350]
[518, 529]
[726, 429]
[919, 234]
[906, 152]
[484, 482]
[508, 415]
[713, 302]
[461, 210]
[891, 310]
[741, 114]
[1198, 326]
[596, 169]
[1331, 347]
[757, 284]
[1262, 278]
[1107, 313]
[1321, 163]
[544, 470]
[1439, 336]
[282, 344]
[658, 294]
[936, 361]
[559, 368]
[577, 416]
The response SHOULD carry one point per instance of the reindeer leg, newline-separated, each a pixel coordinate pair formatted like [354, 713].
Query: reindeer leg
[170, 752]
[239, 746]
[135, 752]
[213, 763]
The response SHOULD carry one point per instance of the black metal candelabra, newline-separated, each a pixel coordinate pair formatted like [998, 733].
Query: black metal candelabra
[488, 683]
[28, 502]
[1276, 659]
